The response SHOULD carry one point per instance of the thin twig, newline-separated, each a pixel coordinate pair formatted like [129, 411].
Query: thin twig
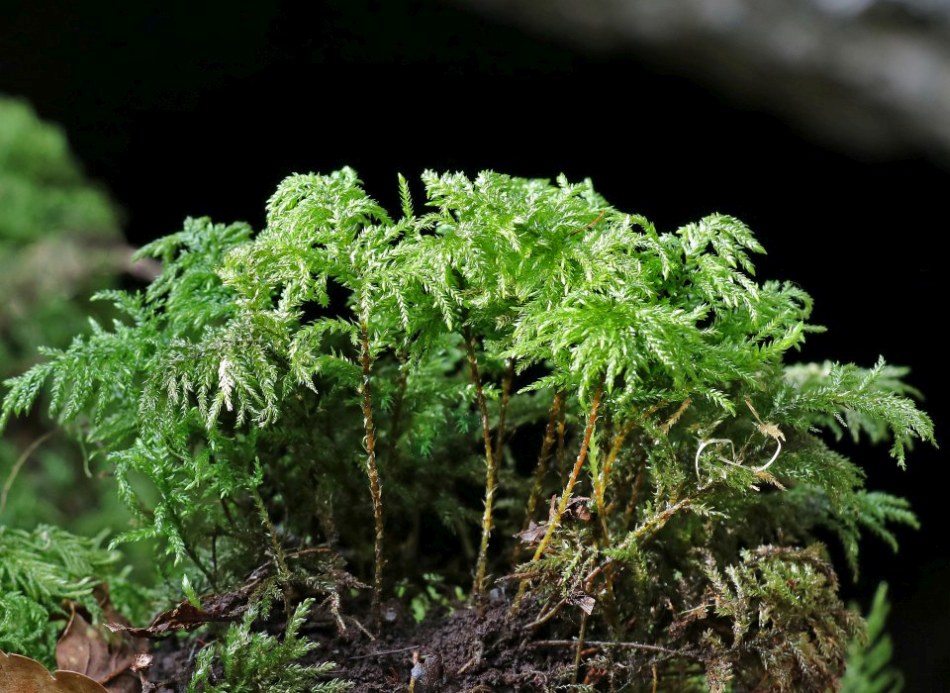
[386, 652]
[659, 520]
[547, 616]
[588, 585]
[499, 448]
[362, 628]
[506, 382]
[659, 649]
[305, 552]
[18, 465]
[634, 493]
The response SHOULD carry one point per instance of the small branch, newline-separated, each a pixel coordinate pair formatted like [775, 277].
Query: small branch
[371, 469]
[386, 652]
[614, 453]
[600, 481]
[547, 615]
[634, 493]
[18, 465]
[308, 551]
[620, 646]
[478, 588]
[189, 551]
[625, 431]
[499, 448]
[617, 445]
[588, 584]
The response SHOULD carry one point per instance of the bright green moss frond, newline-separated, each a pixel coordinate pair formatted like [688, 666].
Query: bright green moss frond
[345, 379]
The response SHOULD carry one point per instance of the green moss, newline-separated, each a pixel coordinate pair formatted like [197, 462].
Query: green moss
[41, 573]
[265, 379]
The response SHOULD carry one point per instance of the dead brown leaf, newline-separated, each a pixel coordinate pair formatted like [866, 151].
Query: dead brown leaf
[533, 534]
[227, 606]
[582, 601]
[19, 674]
[578, 509]
[185, 616]
[98, 654]
[215, 608]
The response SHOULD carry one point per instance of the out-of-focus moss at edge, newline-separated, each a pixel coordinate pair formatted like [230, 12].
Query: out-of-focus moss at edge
[60, 240]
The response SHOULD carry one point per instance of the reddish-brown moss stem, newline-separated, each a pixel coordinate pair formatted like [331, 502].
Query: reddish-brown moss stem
[544, 457]
[372, 472]
[481, 565]
[555, 519]
[600, 481]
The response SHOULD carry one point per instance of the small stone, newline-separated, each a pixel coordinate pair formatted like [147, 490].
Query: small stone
[426, 675]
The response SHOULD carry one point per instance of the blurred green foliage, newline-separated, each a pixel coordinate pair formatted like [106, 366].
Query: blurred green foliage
[869, 667]
[59, 242]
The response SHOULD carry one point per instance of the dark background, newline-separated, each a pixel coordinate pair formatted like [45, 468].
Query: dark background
[201, 109]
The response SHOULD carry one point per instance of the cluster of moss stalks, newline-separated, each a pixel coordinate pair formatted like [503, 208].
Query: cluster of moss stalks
[521, 384]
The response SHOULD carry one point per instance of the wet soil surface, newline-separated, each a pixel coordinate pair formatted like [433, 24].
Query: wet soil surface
[465, 651]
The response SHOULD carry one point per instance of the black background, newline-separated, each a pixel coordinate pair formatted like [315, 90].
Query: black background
[200, 109]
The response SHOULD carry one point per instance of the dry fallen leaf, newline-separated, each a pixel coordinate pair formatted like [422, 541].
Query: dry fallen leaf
[19, 674]
[85, 649]
[227, 606]
[219, 607]
[582, 601]
[533, 534]
[185, 616]
[577, 508]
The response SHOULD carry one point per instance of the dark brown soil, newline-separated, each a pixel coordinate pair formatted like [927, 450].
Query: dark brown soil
[461, 652]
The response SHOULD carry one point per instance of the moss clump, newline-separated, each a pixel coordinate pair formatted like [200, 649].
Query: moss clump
[265, 379]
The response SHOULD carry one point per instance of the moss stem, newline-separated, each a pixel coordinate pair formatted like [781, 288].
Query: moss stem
[555, 519]
[372, 471]
[544, 457]
[481, 565]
